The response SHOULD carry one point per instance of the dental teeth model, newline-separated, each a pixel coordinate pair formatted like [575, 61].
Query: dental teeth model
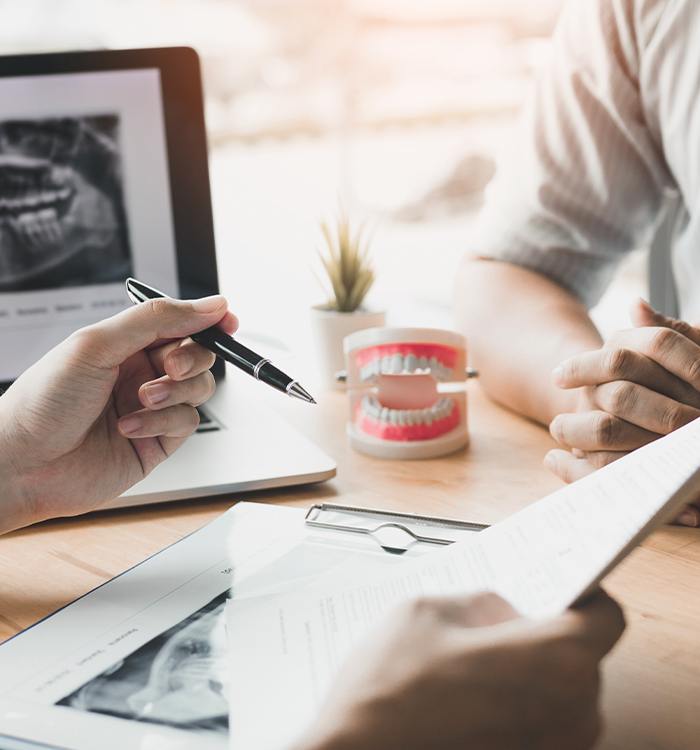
[394, 379]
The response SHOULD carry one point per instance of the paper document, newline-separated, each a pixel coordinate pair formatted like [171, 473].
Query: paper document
[140, 662]
[541, 559]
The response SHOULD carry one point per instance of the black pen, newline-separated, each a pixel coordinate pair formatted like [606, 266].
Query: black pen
[229, 349]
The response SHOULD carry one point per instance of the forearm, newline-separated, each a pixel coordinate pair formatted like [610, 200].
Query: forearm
[519, 326]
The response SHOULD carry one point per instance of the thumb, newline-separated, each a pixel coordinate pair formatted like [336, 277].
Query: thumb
[473, 610]
[599, 621]
[113, 340]
[643, 315]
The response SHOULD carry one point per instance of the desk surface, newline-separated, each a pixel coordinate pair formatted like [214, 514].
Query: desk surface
[653, 677]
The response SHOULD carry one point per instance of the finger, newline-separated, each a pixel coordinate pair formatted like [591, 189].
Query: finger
[598, 622]
[111, 341]
[566, 466]
[598, 431]
[158, 353]
[182, 359]
[611, 364]
[188, 360]
[476, 610]
[690, 516]
[165, 392]
[175, 421]
[644, 315]
[229, 323]
[671, 350]
[598, 459]
[171, 444]
[643, 407]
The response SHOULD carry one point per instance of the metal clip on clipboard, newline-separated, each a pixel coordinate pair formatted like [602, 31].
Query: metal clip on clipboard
[394, 532]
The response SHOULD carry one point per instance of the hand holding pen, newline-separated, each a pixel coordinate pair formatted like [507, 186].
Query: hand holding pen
[103, 408]
[230, 350]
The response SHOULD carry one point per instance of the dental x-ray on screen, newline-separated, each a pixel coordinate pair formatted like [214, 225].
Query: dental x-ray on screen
[84, 203]
[62, 216]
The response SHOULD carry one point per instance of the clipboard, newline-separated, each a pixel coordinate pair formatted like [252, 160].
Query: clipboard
[393, 531]
[133, 617]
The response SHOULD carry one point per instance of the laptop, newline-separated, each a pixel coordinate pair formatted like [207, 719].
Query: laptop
[104, 175]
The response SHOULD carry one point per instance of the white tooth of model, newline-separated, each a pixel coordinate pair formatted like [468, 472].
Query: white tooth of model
[423, 363]
[386, 365]
[396, 364]
[410, 363]
[385, 415]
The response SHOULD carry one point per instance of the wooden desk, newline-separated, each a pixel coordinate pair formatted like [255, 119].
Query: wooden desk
[652, 680]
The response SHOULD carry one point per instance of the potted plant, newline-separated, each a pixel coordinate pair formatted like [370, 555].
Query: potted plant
[349, 277]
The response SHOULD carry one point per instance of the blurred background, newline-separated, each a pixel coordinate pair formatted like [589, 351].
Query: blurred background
[397, 109]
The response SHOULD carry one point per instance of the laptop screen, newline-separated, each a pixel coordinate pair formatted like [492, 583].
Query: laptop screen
[84, 203]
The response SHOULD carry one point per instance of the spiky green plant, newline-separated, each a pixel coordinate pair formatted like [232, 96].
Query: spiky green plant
[346, 262]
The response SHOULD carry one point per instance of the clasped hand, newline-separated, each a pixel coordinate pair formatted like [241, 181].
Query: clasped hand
[642, 384]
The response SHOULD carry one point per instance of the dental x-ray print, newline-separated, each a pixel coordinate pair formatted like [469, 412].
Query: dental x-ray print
[62, 216]
[179, 678]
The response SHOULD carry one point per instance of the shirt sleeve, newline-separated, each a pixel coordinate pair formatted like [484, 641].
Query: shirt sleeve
[583, 183]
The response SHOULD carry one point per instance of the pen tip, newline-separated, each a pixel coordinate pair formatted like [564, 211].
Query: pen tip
[296, 391]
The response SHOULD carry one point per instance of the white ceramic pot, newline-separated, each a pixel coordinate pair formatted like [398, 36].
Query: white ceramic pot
[330, 327]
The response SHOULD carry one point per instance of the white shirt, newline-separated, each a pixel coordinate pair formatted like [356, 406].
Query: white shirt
[610, 141]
